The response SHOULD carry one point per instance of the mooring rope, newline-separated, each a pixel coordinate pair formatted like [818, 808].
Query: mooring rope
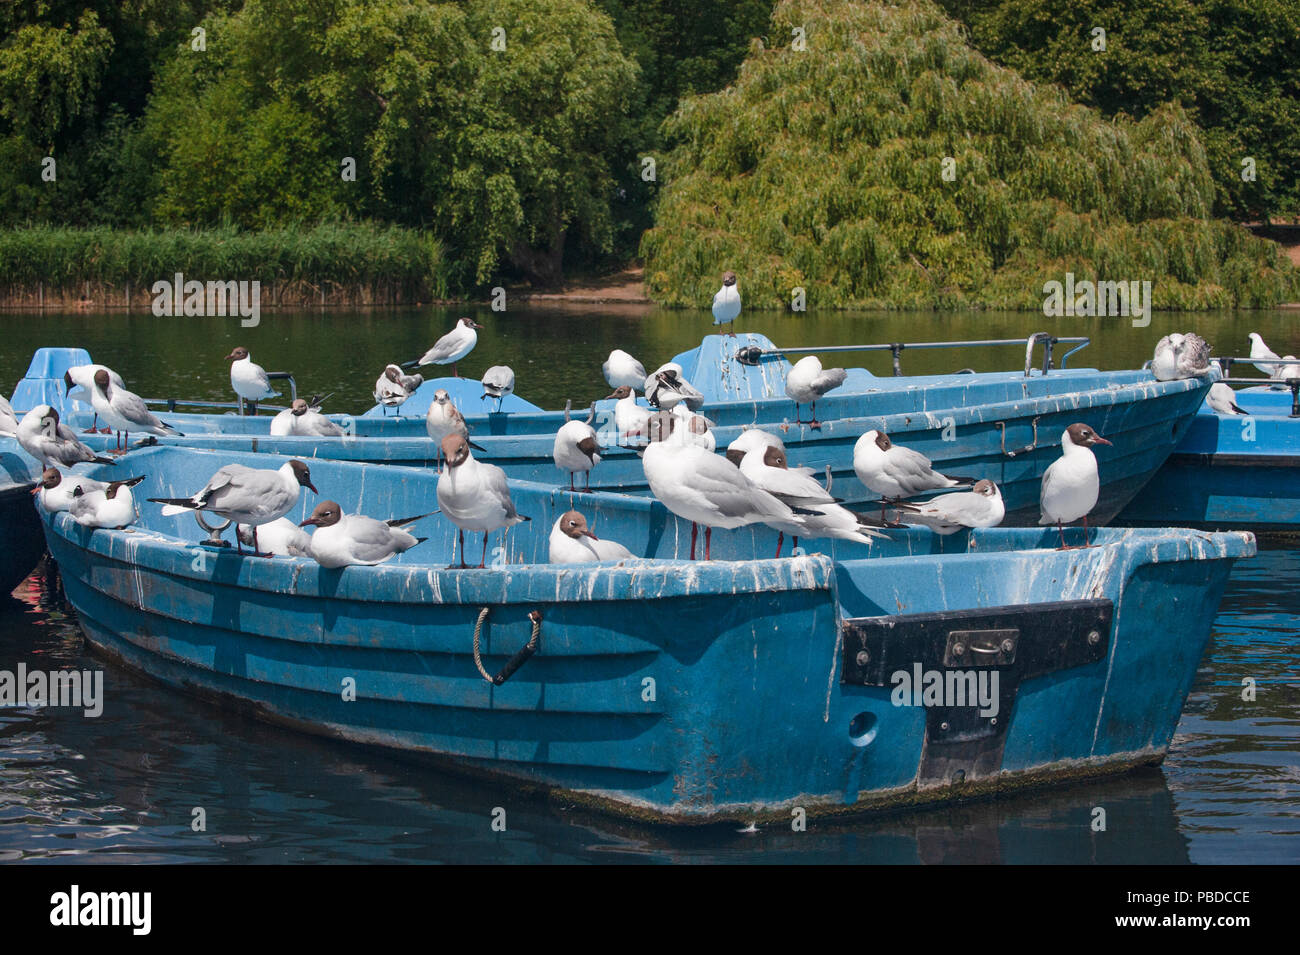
[478, 627]
[519, 659]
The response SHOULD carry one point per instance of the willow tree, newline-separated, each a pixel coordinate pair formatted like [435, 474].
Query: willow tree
[873, 158]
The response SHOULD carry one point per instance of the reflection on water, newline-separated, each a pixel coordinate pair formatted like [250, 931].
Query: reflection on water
[124, 787]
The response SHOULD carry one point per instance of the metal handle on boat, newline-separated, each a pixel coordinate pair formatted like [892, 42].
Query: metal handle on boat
[1032, 446]
[522, 655]
[214, 533]
[754, 355]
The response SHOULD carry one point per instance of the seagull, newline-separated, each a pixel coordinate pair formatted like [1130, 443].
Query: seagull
[726, 302]
[80, 382]
[754, 439]
[1259, 350]
[124, 411]
[895, 472]
[8, 420]
[393, 388]
[572, 543]
[704, 488]
[807, 382]
[1223, 399]
[56, 489]
[1180, 356]
[249, 381]
[343, 539]
[629, 417]
[452, 347]
[282, 537]
[697, 432]
[576, 447]
[820, 514]
[1071, 484]
[444, 418]
[498, 381]
[246, 495]
[474, 495]
[666, 388]
[1289, 369]
[302, 420]
[112, 506]
[42, 436]
[621, 369]
[981, 506]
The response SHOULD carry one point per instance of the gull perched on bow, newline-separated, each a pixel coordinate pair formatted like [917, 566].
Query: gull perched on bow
[124, 411]
[393, 388]
[1071, 484]
[45, 438]
[808, 381]
[79, 381]
[498, 381]
[726, 302]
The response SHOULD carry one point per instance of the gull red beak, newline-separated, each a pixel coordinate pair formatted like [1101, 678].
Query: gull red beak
[591, 535]
[312, 487]
[1100, 440]
[310, 520]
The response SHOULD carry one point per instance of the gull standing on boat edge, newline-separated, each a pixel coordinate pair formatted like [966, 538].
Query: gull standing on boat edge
[1071, 483]
[807, 381]
[726, 302]
[473, 495]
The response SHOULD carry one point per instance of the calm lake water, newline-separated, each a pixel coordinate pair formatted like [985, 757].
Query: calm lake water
[123, 786]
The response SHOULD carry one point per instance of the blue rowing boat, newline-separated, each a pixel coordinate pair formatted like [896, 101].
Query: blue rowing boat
[1231, 471]
[669, 690]
[1005, 426]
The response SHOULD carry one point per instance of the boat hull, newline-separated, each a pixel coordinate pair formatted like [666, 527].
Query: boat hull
[664, 689]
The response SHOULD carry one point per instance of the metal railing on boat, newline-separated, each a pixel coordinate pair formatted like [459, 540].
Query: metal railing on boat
[1293, 384]
[239, 407]
[753, 355]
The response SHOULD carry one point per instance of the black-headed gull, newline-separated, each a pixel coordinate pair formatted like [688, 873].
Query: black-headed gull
[981, 506]
[112, 506]
[392, 388]
[341, 540]
[1287, 370]
[281, 537]
[79, 380]
[246, 495]
[443, 419]
[249, 381]
[726, 301]
[1223, 399]
[629, 417]
[577, 449]
[55, 490]
[702, 487]
[895, 472]
[1071, 484]
[498, 381]
[621, 370]
[455, 345]
[473, 495]
[808, 381]
[819, 515]
[124, 411]
[1259, 351]
[45, 438]
[572, 542]
[302, 420]
[666, 388]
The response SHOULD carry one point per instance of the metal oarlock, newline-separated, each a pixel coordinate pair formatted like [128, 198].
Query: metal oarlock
[214, 533]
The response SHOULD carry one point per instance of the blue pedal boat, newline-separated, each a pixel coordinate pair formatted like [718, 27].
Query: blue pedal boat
[1231, 471]
[663, 689]
[1005, 426]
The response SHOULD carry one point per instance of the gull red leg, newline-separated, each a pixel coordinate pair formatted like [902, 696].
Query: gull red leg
[1061, 531]
[708, 536]
[483, 561]
[814, 423]
[780, 539]
[694, 530]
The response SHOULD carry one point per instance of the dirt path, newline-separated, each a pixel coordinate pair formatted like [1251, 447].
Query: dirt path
[621, 288]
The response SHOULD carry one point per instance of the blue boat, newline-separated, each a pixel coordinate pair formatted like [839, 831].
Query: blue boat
[663, 689]
[1231, 471]
[1005, 426]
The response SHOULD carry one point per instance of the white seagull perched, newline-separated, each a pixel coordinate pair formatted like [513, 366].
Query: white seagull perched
[56, 489]
[250, 381]
[1180, 356]
[726, 301]
[8, 420]
[820, 514]
[474, 495]
[572, 542]
[498, 381]
[895, 472]
[444, 418]
[393, 388]
[1071, 485]
[622, 370]
[704, 488]
[302, 420]
[246, 495]
[629, 417]
[981, 506]
[344, 539]
[452, 347]
[577, 449]
[1223, 399]
[41, 435]
[754, 439]
[124, 411]
[111, 506]
[808, 381]
[79, 380]
[1258, 350]
[281, 538]
[1288, 369]
[666, 388]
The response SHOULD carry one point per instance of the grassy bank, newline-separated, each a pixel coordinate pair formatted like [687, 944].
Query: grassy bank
[345, 263]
